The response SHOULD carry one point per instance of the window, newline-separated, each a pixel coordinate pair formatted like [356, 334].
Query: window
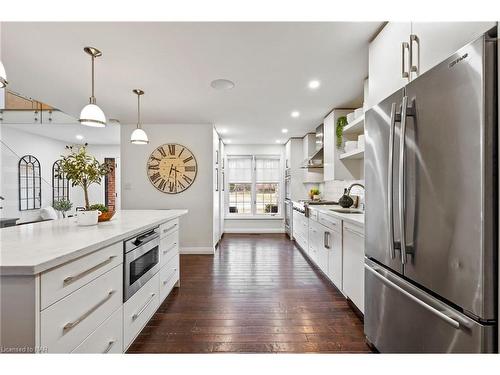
[60, 184]
[30, 192]
[253, 185]
[240, 185]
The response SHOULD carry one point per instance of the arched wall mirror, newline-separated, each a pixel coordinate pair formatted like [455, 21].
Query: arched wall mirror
[30, 192]
[60, 184]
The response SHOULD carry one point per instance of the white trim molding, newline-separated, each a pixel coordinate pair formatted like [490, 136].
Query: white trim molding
[200, 250]
[254, 230]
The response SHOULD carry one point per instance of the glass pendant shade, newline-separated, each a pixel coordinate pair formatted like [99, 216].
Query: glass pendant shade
[92, 115]
[3, 76]
[139, 137]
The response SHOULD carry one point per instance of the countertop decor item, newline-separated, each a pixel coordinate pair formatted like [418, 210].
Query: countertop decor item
[62, 205]
[106, 213]
[346, 201]
[83, 169]
[314, 193]
[341, 122]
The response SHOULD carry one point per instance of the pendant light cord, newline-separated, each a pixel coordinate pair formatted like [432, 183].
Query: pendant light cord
[138, 111]
[92, 98]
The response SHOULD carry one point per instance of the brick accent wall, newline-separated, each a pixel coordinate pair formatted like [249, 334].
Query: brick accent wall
[110, 186]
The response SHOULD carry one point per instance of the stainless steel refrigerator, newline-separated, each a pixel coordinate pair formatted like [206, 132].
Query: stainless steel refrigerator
[431, 267]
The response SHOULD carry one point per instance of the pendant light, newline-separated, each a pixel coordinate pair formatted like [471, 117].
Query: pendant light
[91, 114]
[139, 136]
[3, 77]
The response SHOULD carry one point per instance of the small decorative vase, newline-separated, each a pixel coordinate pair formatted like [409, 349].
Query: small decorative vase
[316, 197]
[87, 218]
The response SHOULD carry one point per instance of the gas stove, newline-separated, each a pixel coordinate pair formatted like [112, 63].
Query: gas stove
[303, 204]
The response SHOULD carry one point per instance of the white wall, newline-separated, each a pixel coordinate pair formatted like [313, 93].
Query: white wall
[138, 193]
[16, 144]
[257, 225]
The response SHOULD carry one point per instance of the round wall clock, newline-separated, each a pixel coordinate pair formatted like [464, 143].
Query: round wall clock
[172, 168]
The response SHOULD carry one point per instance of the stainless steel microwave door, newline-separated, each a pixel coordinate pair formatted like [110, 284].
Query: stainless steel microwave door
[381, 229]
[450, 187]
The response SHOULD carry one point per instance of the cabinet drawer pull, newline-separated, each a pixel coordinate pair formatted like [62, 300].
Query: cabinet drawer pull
[108, 348]
[137, 314]
[170, 248]
[71, 325]
[169, 277]
[72, 279]
[169, 229]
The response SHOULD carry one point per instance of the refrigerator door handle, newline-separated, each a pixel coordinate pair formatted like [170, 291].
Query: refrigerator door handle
[390, 177]
[405, 113]
[421, 303]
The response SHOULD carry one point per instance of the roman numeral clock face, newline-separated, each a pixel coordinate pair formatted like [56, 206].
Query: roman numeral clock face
[172, 168]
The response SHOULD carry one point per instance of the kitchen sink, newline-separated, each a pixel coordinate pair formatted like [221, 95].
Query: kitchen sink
[346, 210]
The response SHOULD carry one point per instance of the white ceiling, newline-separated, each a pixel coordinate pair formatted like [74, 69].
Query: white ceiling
[68, 132]
[271, 64]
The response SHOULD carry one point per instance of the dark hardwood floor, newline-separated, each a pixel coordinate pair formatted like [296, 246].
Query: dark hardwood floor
[258, 294]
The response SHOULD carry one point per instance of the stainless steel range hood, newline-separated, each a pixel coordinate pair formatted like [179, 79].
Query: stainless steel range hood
[314, 159]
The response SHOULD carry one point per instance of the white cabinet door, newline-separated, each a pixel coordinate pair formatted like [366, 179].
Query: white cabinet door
[439, 40]
[385, 61]
[353, 264]
[288, 154]
[335, 258]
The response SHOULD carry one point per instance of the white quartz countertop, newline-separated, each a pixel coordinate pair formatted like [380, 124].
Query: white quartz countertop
[33, 248]
[358, 219]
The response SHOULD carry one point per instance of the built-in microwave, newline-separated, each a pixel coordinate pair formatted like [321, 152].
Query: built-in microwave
[141, 261]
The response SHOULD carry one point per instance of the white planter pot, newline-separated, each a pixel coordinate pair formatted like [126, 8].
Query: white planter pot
[86, 218]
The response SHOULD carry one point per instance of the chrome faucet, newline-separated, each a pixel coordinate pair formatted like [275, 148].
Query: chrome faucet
[352, 185]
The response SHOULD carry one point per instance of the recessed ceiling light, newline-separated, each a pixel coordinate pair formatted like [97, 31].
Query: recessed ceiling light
[284, 131]
[278, 141]
[222, 131]
[222, 84]
[295, 114]
[227, 141]
[314, 84]
[79, 137]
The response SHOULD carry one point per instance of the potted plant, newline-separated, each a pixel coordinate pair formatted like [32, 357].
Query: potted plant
[339, 130]
[314, 194]
[83, 170]
[62, 205]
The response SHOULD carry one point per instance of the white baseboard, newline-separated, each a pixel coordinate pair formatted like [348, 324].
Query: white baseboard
[202, 250]
[254, 230]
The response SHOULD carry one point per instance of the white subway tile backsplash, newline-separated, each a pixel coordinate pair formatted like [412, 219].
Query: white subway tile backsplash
[333, 190]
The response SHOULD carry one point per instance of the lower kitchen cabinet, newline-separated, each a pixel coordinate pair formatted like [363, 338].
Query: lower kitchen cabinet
[335, 257]
[353, 264]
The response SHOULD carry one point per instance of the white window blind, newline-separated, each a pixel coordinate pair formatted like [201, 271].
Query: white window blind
[253, 185]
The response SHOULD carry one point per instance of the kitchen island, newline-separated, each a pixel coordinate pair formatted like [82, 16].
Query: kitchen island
[62, 286]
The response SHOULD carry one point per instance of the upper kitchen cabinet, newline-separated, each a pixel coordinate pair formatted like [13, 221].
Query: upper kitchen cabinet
[387, 61]
[403, 50]
[433, 42]
[335, 168]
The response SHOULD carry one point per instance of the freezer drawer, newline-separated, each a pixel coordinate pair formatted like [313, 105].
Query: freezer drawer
[400, 318]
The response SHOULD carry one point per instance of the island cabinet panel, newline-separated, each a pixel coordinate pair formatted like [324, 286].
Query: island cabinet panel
[335, 256]
[66, 323]
[169, 247]
[107, 338]
[139, 308]
[169, 275]
[63, 280]
[169, 227]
